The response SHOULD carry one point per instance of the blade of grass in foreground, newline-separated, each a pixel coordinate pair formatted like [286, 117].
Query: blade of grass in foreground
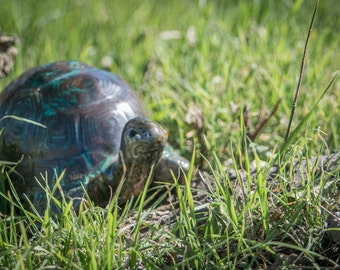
[22, 119]
[309, 253]
[298, 128]
[135, 250]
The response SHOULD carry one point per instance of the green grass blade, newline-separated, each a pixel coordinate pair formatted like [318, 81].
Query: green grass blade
[22, 119]
[303, 122]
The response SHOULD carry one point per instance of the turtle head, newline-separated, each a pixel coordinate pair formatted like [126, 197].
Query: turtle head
[142, 145]
[143, 141]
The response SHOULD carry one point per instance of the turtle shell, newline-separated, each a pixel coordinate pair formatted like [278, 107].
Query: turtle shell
[81, 111]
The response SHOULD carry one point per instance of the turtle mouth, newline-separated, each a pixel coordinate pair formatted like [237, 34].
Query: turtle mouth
[141, 151]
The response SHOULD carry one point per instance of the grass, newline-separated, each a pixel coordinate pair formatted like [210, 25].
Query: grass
[219, 56]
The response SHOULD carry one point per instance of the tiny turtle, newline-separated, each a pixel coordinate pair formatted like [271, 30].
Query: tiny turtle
[92, 127]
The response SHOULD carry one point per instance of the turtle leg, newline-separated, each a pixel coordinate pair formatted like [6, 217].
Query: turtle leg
[171, 161]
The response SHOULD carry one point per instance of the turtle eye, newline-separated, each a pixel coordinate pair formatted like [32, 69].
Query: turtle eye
[132, 133]
[149, 134]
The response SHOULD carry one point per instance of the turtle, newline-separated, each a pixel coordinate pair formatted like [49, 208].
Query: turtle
[86, 125]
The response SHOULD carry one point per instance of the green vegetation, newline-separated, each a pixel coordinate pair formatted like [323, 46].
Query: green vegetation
[219, 56]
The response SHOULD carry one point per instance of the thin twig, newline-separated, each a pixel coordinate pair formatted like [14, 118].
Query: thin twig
[262, 122]
[301, 71]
